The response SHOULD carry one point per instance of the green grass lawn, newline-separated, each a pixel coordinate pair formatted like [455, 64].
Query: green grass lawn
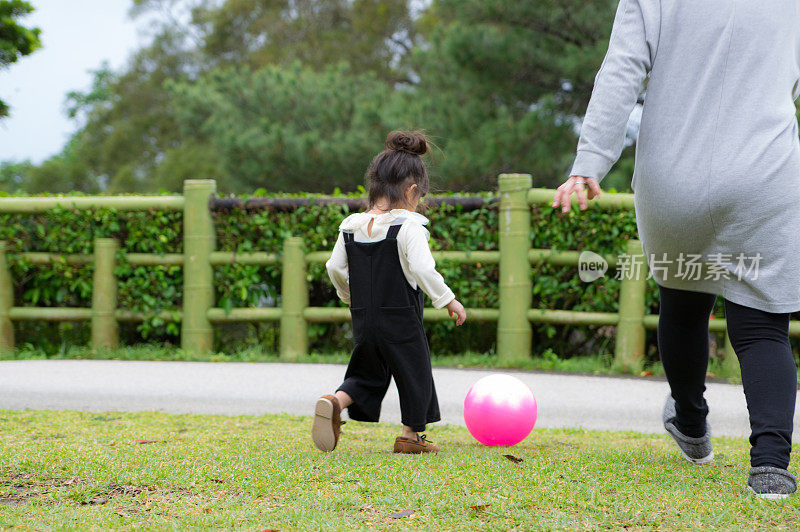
[83, 470]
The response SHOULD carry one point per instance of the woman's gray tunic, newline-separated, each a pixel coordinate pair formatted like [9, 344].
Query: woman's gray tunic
[717, 173]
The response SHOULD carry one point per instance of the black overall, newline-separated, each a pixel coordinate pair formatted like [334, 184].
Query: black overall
[388, 334]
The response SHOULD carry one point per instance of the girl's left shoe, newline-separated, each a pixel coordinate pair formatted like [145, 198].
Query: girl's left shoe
[420, 445]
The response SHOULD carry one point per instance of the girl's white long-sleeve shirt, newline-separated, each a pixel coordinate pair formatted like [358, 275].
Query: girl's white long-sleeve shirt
[413, 249]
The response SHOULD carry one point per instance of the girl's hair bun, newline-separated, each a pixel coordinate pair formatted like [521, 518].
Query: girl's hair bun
[412, 142]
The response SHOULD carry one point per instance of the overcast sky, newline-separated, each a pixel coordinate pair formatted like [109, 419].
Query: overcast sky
[77, 35]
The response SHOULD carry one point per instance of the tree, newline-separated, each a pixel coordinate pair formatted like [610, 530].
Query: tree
[297, 95]
[126, 123]
[531, 62]
[13, 176]
[64, 172]
[15, 40]
[129, 139]
[520, 51]
[286, 128]
[371, 35]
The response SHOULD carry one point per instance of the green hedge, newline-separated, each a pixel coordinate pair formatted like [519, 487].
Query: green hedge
[151, 289]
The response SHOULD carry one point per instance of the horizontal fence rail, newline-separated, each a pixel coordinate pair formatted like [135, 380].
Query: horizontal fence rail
[607, 200]
[515, 257]
[467, 203]
[35, 205]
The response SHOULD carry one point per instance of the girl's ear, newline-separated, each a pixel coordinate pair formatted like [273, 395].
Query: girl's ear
[410, 193]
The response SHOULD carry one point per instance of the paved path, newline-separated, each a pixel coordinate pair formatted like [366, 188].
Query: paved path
[255, 388]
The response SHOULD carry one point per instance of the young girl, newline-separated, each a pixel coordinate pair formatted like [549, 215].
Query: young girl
[381, 265]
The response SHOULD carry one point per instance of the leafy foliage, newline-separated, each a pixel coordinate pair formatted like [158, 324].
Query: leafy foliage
[297, 96]
[372, 34]
[285, 128]
[520, 52]
[151, 289]
[15, 39]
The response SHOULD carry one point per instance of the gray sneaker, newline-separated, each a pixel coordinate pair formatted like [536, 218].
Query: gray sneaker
[695, 450]
[773, 483]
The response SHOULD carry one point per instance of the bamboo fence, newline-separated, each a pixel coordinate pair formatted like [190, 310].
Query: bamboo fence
[515, 257]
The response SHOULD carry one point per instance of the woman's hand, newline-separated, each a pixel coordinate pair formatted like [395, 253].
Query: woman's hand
[455, 307]
[576, 183]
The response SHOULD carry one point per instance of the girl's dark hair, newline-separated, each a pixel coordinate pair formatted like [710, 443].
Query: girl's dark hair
[394, 169]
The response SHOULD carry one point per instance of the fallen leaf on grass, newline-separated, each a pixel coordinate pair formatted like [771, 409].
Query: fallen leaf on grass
[208, 510]
[401, 515]
[513, 458]
[218, 481]
[479, 507]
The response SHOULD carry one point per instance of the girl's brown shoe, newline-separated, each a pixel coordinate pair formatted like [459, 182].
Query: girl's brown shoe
[405, 445]
[327, 423]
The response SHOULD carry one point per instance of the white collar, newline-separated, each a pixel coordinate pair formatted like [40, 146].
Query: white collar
[357, 220]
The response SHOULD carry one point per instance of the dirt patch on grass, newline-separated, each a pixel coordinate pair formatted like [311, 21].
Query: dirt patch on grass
[103, 494]
[19, 488]
[22, 488]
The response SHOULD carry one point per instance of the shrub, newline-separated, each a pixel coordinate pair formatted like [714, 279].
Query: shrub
[152, 289]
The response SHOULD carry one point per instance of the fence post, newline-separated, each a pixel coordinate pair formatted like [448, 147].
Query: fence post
[198, 275]
[513, 326]
[105, 330]
[6, 301]
[294, 299]
[629, 349]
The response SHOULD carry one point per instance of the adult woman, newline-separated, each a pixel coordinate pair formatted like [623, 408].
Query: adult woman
[717, 177]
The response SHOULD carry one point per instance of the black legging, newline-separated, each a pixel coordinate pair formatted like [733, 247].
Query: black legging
[761, 342]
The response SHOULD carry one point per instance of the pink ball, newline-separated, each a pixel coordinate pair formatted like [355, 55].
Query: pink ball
[500, 410]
